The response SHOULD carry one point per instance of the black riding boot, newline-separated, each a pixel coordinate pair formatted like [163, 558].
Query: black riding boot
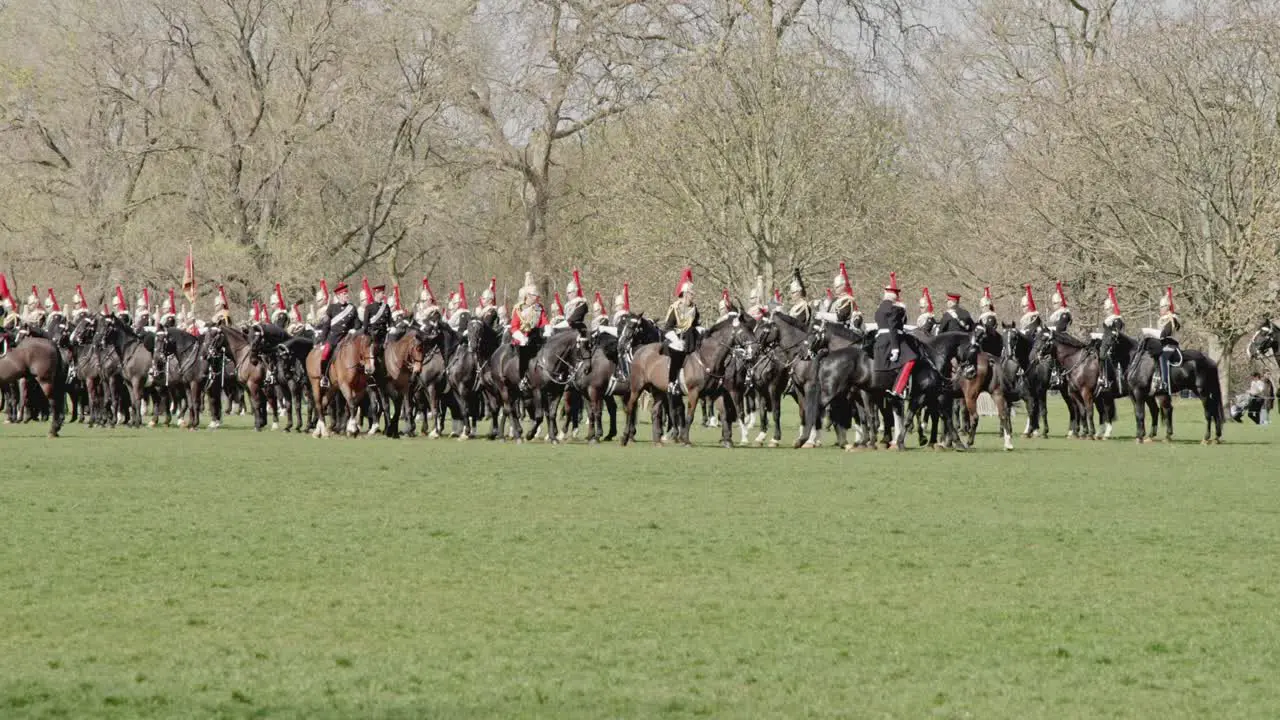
[522, 362]
[675, 363]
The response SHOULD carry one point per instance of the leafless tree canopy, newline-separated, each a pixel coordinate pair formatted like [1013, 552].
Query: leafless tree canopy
[986, 142]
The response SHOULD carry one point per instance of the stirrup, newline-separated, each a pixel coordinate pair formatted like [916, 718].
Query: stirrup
[324, 381]
[524, 384]
[673, 388]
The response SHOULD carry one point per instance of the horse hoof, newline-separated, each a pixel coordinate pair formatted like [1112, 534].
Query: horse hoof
[726, 444]
[939, 447]
[275, 426]
[1138, 440]
[809, 445]
[1027, 435]
[151, 424]
[773, 443]
[1217, 441]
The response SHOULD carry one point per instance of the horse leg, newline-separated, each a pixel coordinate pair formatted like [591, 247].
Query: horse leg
[1167, 401]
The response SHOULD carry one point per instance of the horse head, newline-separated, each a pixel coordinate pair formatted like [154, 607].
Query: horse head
[417, 350]
[215, 343]
[1016, 345]
[767, 333]
[1265, 342]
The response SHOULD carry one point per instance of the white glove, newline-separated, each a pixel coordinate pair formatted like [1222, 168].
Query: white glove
[893, 355]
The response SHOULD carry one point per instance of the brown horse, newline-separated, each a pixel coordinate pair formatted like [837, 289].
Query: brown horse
[251, 370]
[989, 377]
[1081, 369]
[349, 373]
[39, 359]
[402, 359]
[703, 373]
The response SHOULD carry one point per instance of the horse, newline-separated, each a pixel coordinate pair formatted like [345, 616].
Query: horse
[250, 370]
[402, 361]
[441, 342]
[479, 341]
[703, 372]
[782, 341]
[352, 365]
[38, 359]
[1081, 369]
[181, 366]
[132, 371]
[1193, 371]
[549, 375]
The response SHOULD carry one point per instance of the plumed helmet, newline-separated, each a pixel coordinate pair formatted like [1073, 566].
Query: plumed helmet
[797, 282]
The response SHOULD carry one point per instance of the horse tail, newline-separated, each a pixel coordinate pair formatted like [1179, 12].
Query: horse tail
[1213, 391]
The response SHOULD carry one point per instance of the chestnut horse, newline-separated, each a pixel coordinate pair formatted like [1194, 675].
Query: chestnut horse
[402, 359]
[39, 359]
[349, 373]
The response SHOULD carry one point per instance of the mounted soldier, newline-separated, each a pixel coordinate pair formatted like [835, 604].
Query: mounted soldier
[10, 307]
[557, 311]
[426, 311]
[142, 320]
[575, 312]
[621, 304]
[320, 305]
[891, 352]
[1060, 318]
[122, 308]
[926, 322]
[1166, 353]
[297, 323]
[725, 306]
[56, 315]
[37, 314]
[339, 319]
[843, 309]
[80, 305]
[528, 318]
[279, 314]
[460, 308]
[488, 310]
[1030, 323]
[221, 313]
[800, 308]
[399, 321]
[377, 318]
[681, 330]
[599, 313]
[756, 307]
[956, 318]
[1112, 324]
[169, 318]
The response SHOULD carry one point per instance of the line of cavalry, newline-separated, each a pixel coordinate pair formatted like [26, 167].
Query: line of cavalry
[380, 367]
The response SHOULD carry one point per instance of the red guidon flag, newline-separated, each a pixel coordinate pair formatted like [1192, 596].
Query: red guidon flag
[189, 278]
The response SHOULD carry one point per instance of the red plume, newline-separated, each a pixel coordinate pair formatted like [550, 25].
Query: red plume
[830, 295]
[395, 290]
[1031, 301]
[257, 311]
[577, 281]
[173, 304]
[146, 297]
[777, 296]
[426, 285]
[121, 305]
[1169, 294]
[4, 290]
[80, 301]
[600, 302]
[54, 299]
[462, 295]
[222, 292]
[280, 304]
[686, 276]
[1062, 295]
[324, 288]
[559, 305]
[724, 295]
[1115, 304]
[364, 288]
[928, 299]
[626, 297]
[986, 292]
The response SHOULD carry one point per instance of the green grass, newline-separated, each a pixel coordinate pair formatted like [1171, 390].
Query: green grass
[232, 574]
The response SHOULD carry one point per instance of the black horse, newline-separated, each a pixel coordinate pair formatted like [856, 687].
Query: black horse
[1189, 370]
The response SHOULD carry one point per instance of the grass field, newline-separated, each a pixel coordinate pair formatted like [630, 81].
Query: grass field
[232, 574]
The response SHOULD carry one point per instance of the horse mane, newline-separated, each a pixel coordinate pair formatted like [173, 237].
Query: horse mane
[844, 332]
[727, 322]
[788, 319]
[1069, 340]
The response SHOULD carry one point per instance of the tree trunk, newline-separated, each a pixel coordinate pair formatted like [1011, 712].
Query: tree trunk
[1220, 352]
